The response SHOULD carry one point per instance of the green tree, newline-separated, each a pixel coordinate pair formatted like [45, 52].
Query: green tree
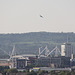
[42, 72]
[4, 71]
[67, 73]
[72, 73]
[13, 70]
[53, 73]
[61, 73]
[32, 73]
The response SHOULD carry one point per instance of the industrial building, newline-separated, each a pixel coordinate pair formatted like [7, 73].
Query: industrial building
[66, 50]
[5, 62]
[45, 58]
[53, 61]
[22, 61]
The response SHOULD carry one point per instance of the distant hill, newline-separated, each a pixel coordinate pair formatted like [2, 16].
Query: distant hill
[30, 42]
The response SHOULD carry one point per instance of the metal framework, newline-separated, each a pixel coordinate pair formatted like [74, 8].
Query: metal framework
[47, 52]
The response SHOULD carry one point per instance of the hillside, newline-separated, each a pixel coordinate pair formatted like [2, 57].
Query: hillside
[30, 42]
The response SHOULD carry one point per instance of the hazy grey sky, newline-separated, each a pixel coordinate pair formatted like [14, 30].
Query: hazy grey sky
[21, 16]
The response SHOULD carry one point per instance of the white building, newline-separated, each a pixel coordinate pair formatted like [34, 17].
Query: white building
[66, 50]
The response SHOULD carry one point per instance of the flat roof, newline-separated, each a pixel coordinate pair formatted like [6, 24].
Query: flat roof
[4, 59]
[56, 69]
[24, 55]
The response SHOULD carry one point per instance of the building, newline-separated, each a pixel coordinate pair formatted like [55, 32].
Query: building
[21, 63]
[5, 62]
[72, 60]
[43, 61]
[65, 61]
[53, 62]
[49, 61]
[66, 50]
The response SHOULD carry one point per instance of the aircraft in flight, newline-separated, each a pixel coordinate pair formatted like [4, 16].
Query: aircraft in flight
[41, 16]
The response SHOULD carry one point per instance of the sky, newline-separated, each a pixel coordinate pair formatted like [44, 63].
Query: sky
[22, 16]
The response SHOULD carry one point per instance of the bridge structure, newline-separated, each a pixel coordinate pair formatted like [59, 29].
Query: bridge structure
[46, 52]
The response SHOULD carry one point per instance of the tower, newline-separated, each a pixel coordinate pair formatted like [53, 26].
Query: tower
[66, 50]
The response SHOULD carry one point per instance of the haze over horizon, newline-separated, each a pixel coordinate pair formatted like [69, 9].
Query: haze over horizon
[22, 16]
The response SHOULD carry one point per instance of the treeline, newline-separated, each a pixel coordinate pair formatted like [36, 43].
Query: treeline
[37, 37]
[14, 71]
